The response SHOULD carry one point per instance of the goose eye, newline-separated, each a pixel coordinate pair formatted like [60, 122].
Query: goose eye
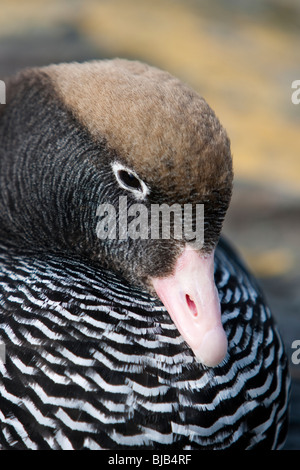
[129, 180]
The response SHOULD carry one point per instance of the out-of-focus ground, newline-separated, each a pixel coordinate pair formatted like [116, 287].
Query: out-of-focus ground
[242, 56]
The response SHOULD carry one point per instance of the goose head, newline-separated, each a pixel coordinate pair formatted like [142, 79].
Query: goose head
[98, 158]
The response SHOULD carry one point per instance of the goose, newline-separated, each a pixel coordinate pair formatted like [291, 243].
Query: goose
[115, 336]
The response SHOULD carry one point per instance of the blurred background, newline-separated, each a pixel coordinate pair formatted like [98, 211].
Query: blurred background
[242, 56]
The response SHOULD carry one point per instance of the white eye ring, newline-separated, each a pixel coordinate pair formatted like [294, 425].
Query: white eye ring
[138, 188]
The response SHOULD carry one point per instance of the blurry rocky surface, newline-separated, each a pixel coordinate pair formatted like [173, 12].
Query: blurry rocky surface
[43, 48]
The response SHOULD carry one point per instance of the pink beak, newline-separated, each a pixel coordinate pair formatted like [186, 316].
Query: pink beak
[191, 298]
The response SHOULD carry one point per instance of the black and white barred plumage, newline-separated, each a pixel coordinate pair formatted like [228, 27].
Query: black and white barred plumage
[92, 363]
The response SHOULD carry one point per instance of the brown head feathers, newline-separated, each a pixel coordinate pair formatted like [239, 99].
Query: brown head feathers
[157, 125]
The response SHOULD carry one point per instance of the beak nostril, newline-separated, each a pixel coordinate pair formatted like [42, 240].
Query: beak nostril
[191, 304]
